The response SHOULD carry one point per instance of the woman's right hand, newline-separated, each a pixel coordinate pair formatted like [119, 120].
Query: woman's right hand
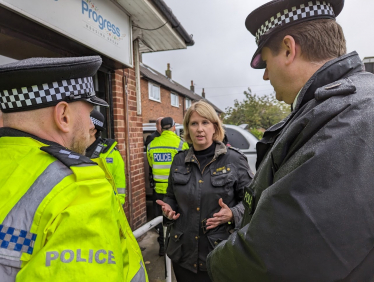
[167, 210]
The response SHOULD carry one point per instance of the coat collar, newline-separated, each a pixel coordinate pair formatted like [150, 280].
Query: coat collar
[220, 150]
[331, 71]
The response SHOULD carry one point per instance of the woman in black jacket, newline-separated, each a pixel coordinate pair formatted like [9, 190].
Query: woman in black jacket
[203, 202]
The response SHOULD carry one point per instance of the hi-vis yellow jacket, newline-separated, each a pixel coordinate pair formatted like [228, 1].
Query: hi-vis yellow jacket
[160, 154]
[110, 160]
[60, 219]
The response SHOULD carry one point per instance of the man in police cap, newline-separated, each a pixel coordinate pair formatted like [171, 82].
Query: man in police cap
[60, 218]
[107, 152]
[309, 210]
[160, 153]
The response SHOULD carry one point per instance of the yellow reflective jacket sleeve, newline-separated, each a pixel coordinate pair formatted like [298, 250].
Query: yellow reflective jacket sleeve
[112, 163]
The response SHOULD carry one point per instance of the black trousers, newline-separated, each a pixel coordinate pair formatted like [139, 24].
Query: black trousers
[157, 211]
[184, 275]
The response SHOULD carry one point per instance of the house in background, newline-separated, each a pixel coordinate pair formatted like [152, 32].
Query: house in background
[119, 31]
[162, 96]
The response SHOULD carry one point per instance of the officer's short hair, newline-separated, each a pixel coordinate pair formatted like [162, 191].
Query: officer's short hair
[319, 40]
[205, 110]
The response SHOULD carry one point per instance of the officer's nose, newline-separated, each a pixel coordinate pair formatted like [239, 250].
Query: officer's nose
[266, 74]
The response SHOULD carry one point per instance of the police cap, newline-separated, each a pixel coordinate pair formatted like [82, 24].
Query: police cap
[98, 120]
[277, 15]
[43, 82]
[167, 123]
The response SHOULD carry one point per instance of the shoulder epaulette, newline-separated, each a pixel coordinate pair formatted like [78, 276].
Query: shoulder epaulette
[341, 87]
[108, 142]
[66, 156]
[238, 150]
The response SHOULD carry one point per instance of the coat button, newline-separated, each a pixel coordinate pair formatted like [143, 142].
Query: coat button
[214, 172]
[197, 237]
[176, 169]
[197, 209]
[200, 181]
[201, 264]
[215, 243]
[195, 265]
[228, 169]
[176, 236]
[193, 160]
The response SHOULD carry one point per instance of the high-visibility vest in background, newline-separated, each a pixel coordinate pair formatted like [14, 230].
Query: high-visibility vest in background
[111, 160]
[160, 154]
[60, 219]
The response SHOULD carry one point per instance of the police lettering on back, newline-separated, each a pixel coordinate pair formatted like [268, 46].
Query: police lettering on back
[162, 157]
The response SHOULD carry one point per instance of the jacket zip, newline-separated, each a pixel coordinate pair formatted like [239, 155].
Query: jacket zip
[202, 172]
[206, 166]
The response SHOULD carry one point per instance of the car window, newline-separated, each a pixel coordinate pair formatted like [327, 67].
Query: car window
[236, 139]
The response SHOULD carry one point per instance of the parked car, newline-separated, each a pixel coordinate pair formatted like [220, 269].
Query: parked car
[237, 137]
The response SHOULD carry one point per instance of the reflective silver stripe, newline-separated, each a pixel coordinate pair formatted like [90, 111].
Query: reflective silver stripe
[160, 176]
[8, 273]
[140, 275]
[180, 145]
[161, 166]
[121, 190]
[162, 147]
[22, 214]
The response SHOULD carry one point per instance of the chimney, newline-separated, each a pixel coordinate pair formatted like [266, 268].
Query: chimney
[168, 72]
[192, 87]
[203, 94]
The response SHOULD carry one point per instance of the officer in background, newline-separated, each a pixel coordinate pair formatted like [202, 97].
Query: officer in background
[155, 134]
[60, 219]
[160, 154]
[309, 209]
[106, 150]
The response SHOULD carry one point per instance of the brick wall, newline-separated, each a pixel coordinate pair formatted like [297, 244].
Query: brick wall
[136, 171]
[151, 110]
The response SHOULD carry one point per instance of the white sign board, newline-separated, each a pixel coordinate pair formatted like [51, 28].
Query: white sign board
[98, 24]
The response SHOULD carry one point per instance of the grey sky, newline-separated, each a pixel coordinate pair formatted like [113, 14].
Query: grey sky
[219, 60]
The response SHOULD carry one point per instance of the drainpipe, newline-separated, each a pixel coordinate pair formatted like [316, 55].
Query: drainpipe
[137, 78]
[127, 138]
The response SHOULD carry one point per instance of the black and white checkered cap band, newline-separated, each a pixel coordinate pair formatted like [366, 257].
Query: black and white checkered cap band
[35, 95]
[311, 9]
[97, 122]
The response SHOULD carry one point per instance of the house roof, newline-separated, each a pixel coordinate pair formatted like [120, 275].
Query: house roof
[155, 76]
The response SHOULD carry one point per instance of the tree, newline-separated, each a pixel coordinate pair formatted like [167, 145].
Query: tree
[256, 111]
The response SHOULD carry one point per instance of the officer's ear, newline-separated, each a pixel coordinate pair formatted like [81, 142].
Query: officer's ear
[62, 117]
[289, 49]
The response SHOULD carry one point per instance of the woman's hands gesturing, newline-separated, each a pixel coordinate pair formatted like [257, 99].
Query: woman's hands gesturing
[167, 210]
[221, 217]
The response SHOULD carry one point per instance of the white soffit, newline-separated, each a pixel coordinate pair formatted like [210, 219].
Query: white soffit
[145, 15]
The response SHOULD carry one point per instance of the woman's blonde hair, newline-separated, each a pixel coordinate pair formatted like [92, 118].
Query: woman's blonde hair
[205, 110]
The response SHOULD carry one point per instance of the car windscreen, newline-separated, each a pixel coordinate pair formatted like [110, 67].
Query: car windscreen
[236, 139]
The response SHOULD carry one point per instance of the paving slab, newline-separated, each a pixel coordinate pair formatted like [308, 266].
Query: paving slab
[154, 264]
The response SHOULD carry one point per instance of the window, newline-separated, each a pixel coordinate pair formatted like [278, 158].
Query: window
[188, 103]
[154, 92]
[174, 100]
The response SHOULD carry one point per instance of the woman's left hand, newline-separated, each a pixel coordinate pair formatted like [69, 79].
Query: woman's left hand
[221, 217]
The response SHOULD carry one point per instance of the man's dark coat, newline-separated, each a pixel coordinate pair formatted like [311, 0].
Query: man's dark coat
[310, 207]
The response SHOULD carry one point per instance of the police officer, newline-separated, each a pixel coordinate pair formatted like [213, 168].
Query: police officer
[309, 209]
[160, 153]
[60, 218]
[106, 150]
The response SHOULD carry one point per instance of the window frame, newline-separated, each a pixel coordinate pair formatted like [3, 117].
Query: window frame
[150, 85]
[190, 102]
[177, 99]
